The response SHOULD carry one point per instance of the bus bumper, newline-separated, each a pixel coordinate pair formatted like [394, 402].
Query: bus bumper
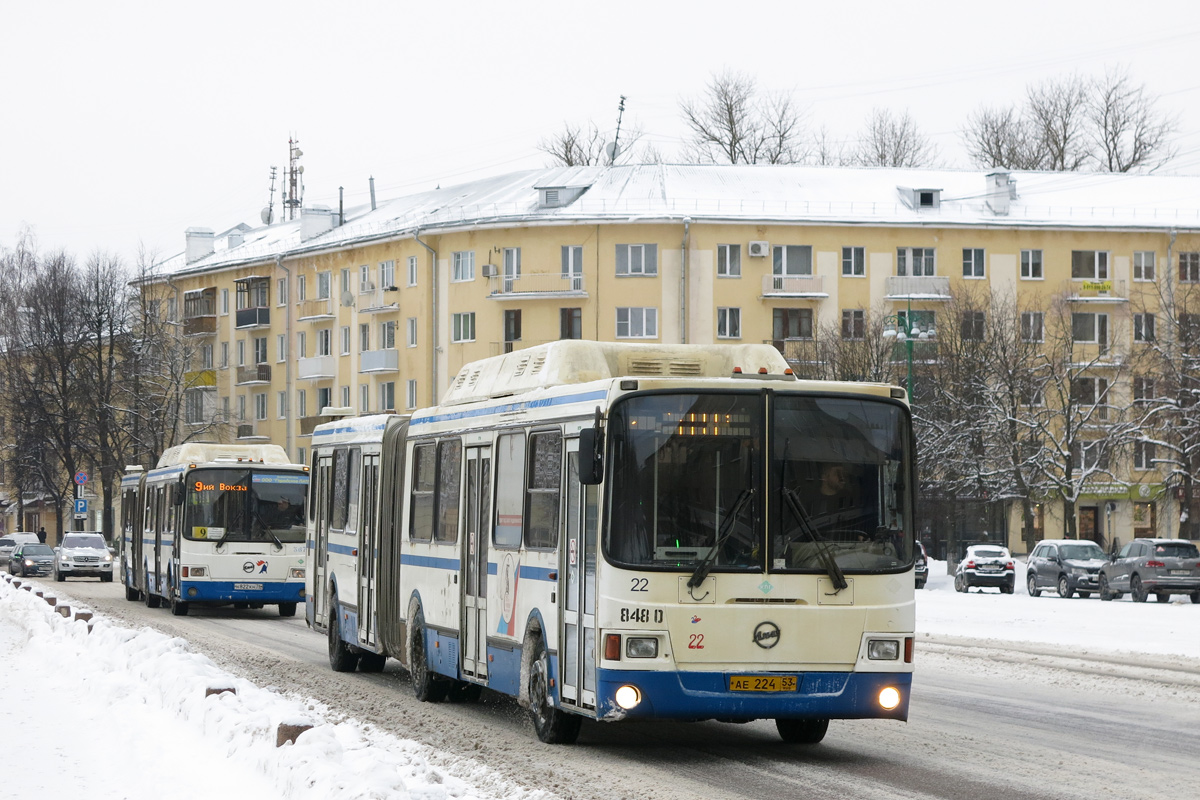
[242, 591]
[706, 695]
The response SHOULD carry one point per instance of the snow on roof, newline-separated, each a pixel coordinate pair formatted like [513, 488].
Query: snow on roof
[797, 195]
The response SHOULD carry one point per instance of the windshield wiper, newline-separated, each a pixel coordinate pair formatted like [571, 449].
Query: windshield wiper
[706, 564]
[824, 552]
[263, 523]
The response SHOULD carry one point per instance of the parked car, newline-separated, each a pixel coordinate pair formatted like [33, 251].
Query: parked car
[922, 566]
[1066, 566]
[31, 559]
[83, 553]
[986, 565]
[9, 542]
[1159, 567]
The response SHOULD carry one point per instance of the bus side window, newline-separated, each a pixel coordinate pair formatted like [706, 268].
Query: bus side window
[341, 475]
[448, 483]
[510, 489]
[354, 458]
[312, 487]
[545, 480]
[424, 473]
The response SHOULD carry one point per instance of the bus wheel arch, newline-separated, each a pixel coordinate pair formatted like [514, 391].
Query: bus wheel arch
[427, 687]
[551, 724]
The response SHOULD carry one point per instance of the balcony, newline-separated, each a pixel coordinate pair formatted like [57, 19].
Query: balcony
[379, 361]
[309, 310]
[256, 373]
[795, 350]
[200, 379]
[1106, 291]
[200, 312]
[917, 287]
[200, 325]
[250, 431]
[793, 286]
[535, 285]
[308, 423]
[317, 368]
[373, 299]
[253, 317]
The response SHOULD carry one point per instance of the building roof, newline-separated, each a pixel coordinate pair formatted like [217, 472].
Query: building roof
[799, 195]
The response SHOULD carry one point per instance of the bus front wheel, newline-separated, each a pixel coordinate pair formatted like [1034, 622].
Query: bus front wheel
[552, 725]
[802, 731]
[341, 657]
[426, 686]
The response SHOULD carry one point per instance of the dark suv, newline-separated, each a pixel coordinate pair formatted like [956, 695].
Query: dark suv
[1065, 565]
[1159, 567]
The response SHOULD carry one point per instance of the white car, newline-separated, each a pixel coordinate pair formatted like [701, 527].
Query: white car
[986, 565]
[83, 553]
[10, 542]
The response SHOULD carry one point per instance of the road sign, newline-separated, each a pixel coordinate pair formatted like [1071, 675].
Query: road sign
[81, 505]
[81, 477]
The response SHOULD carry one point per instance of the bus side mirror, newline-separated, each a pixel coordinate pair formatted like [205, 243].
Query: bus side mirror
[177, 495]
[591, 456]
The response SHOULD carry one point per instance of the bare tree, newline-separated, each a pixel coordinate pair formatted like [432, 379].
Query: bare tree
[828, 151]
[1002, 138]
[731, 123]
[888, 140]
[1127, 130]
[587, 145]
[1056, 110]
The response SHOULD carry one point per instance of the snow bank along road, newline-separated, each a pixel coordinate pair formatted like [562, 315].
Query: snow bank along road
[990, 718]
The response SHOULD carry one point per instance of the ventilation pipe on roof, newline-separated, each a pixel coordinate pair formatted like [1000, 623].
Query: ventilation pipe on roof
[372, 192]
[234, 239]
[341, 220]
[683, 277]
[198, 243]
[1001, 189]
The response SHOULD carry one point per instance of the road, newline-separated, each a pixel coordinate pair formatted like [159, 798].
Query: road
[983, 724]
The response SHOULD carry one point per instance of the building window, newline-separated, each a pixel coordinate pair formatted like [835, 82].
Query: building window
[412, 393]
[194, 406]
[260, 406]
[729, 323]
[918, 261]
[1033, 394]
[1089, 328]
[345, 281]
[241, 405]
[1143, 390]
[1089, 455]
[572, 266]
[729, 261]
[570, 323]
[462, 327]
[281, 405]
[302, 403]
[364, 279]
[637, 323]
[324, 285]
[412, 270]
[387, 274]
[512, 325]
[302, 344]
[412, 332]
[345, 397]
[1091, 392]
[511, 267]
[206, 358]
[364, 398]
[301, 453]
[462, 265]
[1031, 265]
[1143, 327]
[973, 262]
[281, 347]
[324, 398]
[854, 324]
[1143, 455]
[281, 292]
[854, 262]
[241, 352]
[364, 337]
[1189, 267]
[972, 326]
[301, 288]
[1089, 265]
[346, 341]
[1143, 265]
[325, 342]
[1032, 329]
[224, 355]
[224, 302]
[260, 350]
[791, 323]
[637, 259]
[791, 259]
[387, 396]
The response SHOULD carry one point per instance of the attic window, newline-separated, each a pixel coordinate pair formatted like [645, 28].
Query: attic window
[928, 198]
[551, 197]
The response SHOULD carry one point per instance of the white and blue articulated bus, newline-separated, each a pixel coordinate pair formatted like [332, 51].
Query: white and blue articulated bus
[617, 532]
[215, 524]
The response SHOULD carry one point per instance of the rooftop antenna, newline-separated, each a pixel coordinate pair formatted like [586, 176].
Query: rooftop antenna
[295, 187]
[613, 149]
[268, 213]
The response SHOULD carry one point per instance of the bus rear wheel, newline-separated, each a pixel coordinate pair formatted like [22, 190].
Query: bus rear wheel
[802, 731]
[426, 686]
[132, 594]
[152, 600]
[287, 609]
[552, 725]
[341, 657]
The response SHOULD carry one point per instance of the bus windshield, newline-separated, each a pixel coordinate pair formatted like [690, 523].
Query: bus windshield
[245, 505]
[688, 489]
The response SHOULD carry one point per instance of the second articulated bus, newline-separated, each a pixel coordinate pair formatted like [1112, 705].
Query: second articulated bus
[613, 532]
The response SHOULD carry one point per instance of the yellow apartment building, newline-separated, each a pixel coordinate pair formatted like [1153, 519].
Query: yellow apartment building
[378, 308]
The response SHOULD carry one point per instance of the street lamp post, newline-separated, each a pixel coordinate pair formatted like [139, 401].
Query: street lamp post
[902, 329]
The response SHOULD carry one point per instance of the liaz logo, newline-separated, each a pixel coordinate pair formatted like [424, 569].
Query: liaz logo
[262, 567]
[695, 619]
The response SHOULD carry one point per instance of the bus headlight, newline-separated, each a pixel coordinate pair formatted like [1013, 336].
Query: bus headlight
[195, 572]
[889, 697]
[883, 649]
[297, 573]
[628, 696]
[641, 647]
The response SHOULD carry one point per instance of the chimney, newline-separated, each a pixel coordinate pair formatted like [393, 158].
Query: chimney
[372, 192]
[235, 238]
[1001, 190]
[199, 243]
[315, 221]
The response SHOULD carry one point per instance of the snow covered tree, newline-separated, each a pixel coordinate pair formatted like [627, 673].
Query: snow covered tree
[734, 123]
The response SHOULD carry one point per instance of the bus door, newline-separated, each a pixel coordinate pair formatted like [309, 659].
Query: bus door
[154, 516]
[368, 549]
[324, 483]
[475, 544]
[578, 559]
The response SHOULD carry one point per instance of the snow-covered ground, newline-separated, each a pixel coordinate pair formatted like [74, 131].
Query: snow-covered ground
[127, 691]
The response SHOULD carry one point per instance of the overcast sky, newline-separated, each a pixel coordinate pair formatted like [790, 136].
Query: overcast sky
[124, 123]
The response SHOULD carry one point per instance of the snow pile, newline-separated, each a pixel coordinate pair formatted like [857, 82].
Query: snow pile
[85, 707]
